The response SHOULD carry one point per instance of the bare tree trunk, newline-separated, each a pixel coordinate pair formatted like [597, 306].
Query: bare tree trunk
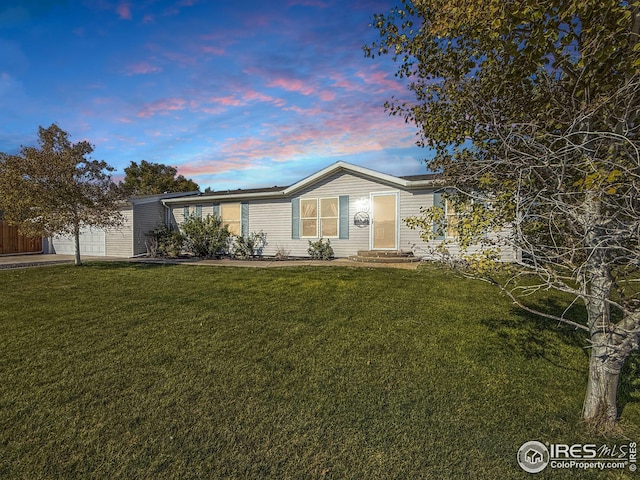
[76, 234]
[600, 405]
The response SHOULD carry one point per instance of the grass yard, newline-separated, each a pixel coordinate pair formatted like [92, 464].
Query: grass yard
[145, 371]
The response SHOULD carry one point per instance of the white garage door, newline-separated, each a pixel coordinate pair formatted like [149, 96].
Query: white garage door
[92, 242]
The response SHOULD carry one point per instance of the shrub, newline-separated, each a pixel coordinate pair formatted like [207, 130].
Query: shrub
[165, 242]
[205, 237]
[252, 245]
[320, 250]
[282, 253]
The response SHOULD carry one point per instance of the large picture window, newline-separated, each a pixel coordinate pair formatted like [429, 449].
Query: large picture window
[231, 215]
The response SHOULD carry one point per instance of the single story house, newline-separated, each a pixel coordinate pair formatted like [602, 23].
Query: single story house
[357, 208]
[141, 216]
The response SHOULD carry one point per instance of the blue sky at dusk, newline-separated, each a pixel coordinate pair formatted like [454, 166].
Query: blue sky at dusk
[235, 94]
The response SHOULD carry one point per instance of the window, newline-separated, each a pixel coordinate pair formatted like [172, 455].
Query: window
[309, 217]
[231, 215]
[451, 215]
[450, 218]
[329, 217]
[319, 217]
[191, 211]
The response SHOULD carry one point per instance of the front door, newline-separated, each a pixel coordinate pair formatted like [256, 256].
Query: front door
[384, 227]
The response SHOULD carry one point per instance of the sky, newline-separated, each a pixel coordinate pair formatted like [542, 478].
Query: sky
[235, 94]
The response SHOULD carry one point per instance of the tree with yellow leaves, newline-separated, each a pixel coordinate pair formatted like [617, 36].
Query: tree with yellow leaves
[532, 108]
[56, 189]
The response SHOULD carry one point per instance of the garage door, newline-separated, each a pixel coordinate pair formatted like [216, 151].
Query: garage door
[92, 242]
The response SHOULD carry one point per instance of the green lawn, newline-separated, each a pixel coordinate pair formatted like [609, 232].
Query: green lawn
[146, 371]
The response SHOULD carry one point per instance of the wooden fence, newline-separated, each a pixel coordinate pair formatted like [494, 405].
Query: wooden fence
[12, 242]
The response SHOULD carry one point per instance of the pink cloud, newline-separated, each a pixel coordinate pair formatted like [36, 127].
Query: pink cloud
[327, 95]
[381, 81]
[142, 68]
[251, 95]
[212, 50]
[291, 85]
[330, 136]
[124, 11]
[209, 166]
[228, 101]
[148, 18]
[162, 107]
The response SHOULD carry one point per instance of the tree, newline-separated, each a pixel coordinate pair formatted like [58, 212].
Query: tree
[532, 109]
[152, 178]
[56, 189]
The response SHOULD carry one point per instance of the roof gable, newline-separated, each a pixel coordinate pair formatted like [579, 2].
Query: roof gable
[414, 181]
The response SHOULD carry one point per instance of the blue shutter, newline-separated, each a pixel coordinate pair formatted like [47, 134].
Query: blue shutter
[185, 213]
[295, 218]
[438, 201]
[216, 209]
[199, 211]
[244, 219]
[344, 216]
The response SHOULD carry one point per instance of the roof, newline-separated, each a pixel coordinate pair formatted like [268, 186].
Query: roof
[141, 199]
[409, 182]
[424, 176]
[248, 190]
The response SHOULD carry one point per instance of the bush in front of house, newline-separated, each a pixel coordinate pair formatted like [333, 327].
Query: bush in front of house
[250, 246]
[165, 242]
[320, 250]
[205, 237]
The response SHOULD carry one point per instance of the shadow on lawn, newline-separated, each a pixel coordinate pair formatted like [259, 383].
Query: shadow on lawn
[537, 337]
[100, 265]
[629, 390]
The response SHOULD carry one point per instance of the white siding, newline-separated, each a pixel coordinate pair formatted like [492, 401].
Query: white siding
[119, 240]
[274, 218]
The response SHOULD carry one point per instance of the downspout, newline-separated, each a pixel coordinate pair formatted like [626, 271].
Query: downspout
[167, 213]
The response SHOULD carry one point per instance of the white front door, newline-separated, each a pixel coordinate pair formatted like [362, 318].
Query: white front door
[384, 225]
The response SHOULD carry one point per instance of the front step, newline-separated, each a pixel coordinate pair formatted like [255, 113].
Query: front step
[384, 256]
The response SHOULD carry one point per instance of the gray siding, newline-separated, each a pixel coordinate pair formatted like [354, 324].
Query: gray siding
[147, 216]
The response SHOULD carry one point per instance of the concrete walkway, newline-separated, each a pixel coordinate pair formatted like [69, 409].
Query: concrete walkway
[23, 261]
